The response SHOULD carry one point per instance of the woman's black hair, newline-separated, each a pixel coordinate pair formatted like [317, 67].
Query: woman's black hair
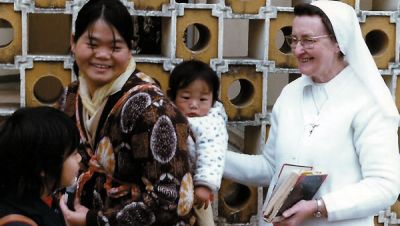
[34, 144]
[113, 12]
[305, 9]
[187, 72]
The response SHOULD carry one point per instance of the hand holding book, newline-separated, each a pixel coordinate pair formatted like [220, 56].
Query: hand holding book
[295, 183]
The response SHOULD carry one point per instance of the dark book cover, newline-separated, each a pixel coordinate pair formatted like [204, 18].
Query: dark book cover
[304, 189]
[294, 183]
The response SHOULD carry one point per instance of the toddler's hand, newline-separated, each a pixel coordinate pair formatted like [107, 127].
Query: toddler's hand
[202, 196]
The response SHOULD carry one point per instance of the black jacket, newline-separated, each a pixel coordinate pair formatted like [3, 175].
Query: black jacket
[33, 208]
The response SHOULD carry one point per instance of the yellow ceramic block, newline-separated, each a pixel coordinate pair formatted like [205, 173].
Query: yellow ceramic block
[44, 83]
[245, 6]
[149, 4]
[236, 202]
[387, 5]
[50, 3]
[380, 36]
[52, 39]
[248, 101]
[350, 2]
[156, 72]
[282, 56]
[14, 48]
[206, 47]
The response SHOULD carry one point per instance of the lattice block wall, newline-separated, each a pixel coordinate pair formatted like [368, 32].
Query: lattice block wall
[242, 40]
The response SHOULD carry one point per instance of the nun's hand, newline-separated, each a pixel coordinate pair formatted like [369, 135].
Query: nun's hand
[298, 213]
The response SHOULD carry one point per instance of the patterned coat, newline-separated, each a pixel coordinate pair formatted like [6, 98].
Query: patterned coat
[138, 168]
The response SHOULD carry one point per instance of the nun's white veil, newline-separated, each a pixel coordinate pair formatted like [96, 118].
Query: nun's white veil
[349, 37]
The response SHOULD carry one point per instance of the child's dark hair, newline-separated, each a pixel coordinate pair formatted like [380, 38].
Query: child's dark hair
[34, 144]
[189, 71]
[113, 12]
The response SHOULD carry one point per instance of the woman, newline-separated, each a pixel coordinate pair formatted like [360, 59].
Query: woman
[134, 138]
[339, 118]
[38, 157]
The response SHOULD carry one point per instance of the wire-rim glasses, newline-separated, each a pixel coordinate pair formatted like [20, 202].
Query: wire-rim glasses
[305, 42]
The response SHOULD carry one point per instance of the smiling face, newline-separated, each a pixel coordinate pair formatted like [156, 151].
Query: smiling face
[101, 54]
[195, 100]
[322, 62]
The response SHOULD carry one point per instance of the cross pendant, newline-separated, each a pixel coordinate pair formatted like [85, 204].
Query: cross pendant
[313, 126]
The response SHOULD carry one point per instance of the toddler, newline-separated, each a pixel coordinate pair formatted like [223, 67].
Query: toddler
[193, 87]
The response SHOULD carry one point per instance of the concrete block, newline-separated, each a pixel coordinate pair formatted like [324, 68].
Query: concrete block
[380, 35]
[247, 101]
[156, 72]
[13, 18]
[245, 6]
[52, 39]
[149, 4]
[202, 26]
[237, 203]
[45, 83]
[50, 3]
[279, 51]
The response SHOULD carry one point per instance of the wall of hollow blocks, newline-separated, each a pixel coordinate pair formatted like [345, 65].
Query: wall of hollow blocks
[242, 40]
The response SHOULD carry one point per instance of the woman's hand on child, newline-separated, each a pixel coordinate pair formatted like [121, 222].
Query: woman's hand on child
[202, 196]
[74, 218]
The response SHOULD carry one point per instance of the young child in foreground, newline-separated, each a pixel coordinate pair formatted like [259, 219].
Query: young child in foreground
[38, 157]
[193, 87]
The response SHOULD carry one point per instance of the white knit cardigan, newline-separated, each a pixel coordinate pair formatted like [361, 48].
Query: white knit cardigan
[209, 146]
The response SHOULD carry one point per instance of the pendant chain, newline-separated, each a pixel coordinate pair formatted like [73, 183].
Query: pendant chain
[315, 123]
[318, 109]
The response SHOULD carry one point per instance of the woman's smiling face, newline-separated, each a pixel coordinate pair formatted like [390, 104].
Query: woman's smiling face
[322, 60]
[101, 54]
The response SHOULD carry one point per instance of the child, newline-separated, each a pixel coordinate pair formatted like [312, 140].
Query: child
[193, 86]
[38, 156]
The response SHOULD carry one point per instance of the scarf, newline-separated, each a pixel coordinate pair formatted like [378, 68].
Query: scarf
[100, 95]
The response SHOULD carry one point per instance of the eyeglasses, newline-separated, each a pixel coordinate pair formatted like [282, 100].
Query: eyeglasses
[306, 42]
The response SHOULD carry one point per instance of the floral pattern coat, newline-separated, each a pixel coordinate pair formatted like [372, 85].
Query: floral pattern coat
[137, 172]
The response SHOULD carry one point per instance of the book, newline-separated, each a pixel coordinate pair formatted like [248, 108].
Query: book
[294, 183]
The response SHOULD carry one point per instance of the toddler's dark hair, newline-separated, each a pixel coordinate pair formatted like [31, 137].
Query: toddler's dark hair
[189, 71]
